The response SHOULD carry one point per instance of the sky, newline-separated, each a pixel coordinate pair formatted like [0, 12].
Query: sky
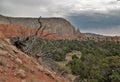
[93, 16]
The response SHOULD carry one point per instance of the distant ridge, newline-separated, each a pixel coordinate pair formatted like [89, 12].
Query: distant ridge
[94, 35]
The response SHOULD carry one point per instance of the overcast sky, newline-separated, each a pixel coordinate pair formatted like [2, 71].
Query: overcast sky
[97, 16]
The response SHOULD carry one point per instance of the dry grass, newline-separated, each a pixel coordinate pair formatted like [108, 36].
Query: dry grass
[62, 66]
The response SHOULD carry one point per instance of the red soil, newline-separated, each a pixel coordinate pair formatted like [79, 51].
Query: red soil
[37, 76]
[15, 30]
[8, 66]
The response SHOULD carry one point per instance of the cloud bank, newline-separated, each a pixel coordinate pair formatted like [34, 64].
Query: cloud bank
[62, 8]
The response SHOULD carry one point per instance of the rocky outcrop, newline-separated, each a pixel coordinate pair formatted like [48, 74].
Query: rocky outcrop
[79, 34]
[58, 26]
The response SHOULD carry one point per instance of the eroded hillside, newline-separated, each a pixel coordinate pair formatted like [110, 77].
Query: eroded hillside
[15, 66]
[16, 30]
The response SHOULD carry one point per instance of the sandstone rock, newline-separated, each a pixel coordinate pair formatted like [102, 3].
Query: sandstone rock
[1, 70]
[40, 60]
[23, 80]
[40, 68]
[20, 73]
[2, 52]
[8, 66]
[18, 61]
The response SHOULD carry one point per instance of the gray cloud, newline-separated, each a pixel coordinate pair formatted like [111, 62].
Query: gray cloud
[94, 20]
[26, 7]
[106, 24]
[56, 7]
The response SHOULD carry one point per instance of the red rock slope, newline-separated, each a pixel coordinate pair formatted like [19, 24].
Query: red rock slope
[15, 66]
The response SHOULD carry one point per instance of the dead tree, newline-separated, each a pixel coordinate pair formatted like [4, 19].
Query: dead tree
[27, 43]
[22, 39]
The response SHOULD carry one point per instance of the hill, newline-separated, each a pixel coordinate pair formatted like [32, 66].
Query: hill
[16, 66]
[93, 35]
[59, 26]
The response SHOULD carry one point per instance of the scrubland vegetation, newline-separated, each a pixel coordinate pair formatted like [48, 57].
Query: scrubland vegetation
[99, 62]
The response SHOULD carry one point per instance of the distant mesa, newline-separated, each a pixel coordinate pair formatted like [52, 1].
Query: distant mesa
[58, 26]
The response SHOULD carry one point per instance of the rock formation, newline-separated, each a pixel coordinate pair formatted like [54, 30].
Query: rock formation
[58, 26]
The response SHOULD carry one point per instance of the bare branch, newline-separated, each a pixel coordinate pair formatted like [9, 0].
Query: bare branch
[39, 21]
[28, 43]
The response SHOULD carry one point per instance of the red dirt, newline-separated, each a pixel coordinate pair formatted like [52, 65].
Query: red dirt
[37, 76]
[29, 65]
[15, 30]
